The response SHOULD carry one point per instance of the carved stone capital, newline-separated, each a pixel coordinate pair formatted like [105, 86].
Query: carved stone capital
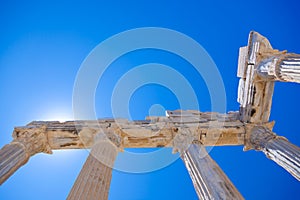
[281, 67]
[183, 139]
[260, 136]
[109, 136]
[266, 68]
[276, 148]
[34, 139]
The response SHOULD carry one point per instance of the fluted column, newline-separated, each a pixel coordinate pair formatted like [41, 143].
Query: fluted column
[277, 148]
[12, 157]
[209, 180]
[18, 152]
[282, 67]
[93, 182]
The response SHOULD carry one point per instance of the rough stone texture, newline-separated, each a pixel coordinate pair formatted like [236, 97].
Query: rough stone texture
[35, 140]
[209, 180]
[26, 143]
[254, 92]
[93, 181]
[182, 140]
[258, 66]
[277, 148]
[260, 136]
[210, 129]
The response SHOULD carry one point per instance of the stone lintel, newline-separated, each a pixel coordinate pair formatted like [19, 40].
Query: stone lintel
[207, 128]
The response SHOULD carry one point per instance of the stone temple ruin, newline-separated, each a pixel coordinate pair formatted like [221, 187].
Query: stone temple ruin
[188, 132]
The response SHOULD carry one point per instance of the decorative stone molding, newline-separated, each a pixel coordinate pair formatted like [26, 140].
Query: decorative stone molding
[281, 67]
[183, 139]
[34, 139]
[259, 66]
[254, 92]
[260, 136]
[208, 128]
[276, 148]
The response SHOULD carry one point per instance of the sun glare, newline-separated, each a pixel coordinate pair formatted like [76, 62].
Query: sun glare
[57, 115]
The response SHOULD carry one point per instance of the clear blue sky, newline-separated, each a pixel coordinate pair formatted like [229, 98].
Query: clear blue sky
[43, 44]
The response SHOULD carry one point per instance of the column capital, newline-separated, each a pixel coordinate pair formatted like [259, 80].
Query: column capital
[183, 139]
[109, 136]
[276, 148]
[34, 139]
[260, 136]
[280, 66]
[106, 147]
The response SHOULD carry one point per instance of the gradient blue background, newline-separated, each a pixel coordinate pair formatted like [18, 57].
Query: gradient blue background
[43, 43]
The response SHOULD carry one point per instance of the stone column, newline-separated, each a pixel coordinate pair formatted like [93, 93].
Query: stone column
[209, 180]
[12, 157]
[93, 182]
[282, 67]
[18, 152]
[277, 148]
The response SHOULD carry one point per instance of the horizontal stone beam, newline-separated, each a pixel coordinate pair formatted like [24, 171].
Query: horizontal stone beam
[209, 129]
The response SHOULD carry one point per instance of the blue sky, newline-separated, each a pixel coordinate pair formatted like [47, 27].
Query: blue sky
[43, 44]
